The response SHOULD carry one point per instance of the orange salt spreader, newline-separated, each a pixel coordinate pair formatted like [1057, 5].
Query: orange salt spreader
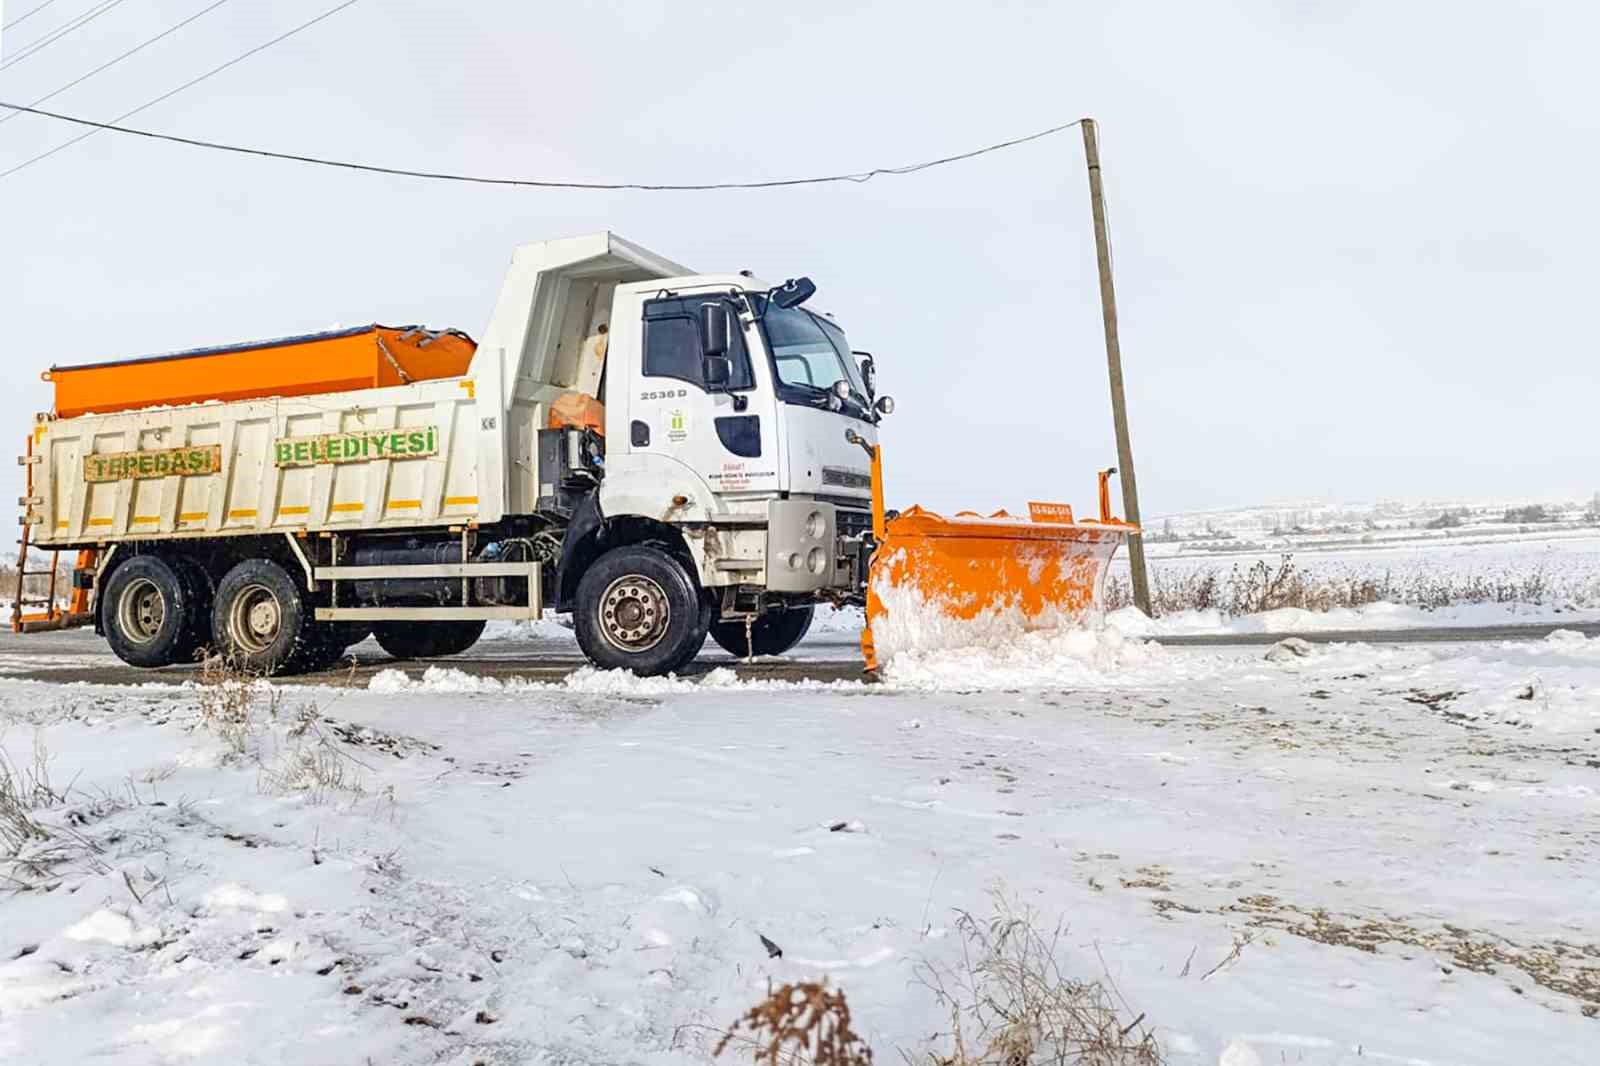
[940, 581]
[366, 357]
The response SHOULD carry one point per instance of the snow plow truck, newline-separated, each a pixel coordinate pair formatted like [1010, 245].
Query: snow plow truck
[664, 454]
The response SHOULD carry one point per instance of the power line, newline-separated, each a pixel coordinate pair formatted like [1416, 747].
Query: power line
[169, 94]
[141, 46]
[27, 15]
[855, 176]
[55, 35]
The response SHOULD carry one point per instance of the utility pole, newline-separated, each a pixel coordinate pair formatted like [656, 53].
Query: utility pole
[1119, 407]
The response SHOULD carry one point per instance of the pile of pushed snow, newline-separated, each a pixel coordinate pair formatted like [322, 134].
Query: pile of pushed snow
[920, 644]
[442, 679]
[1090, 654]
[588, 680]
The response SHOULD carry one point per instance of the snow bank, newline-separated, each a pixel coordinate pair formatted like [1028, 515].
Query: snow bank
[1373, 616]
[442, 679]
[447, 680]
[1091, 654]
[922, 646]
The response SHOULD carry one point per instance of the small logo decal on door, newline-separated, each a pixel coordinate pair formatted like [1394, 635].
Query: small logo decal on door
[677, 425]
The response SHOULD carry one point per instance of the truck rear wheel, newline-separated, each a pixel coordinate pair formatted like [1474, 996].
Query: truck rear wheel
[638, 609]
[148, 612]
[427, 640]
[772, 634]
[197, 634]
[261, 619]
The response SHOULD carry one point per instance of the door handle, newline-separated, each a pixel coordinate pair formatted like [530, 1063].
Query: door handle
[639, 434]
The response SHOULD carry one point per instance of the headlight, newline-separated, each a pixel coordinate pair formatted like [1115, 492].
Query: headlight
[794, 560]
[816, 525]
[817, 559]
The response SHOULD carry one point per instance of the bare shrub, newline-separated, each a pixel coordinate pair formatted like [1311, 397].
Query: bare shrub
[23, 791]
[1264, 586]
[799, 1024]
[231, 697]
[320, 770]
[1010, 1004]
[246, 712]
[39, 832]
[37, 583]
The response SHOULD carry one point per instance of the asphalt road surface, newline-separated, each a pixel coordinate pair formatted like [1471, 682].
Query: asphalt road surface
[79, 655]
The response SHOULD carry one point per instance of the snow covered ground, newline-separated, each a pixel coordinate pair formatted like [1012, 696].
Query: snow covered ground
[1553, 576]
[1351, 855]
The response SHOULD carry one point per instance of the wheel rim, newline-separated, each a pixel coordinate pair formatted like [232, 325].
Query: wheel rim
[141, 610]
[634, 613]
[255, 619]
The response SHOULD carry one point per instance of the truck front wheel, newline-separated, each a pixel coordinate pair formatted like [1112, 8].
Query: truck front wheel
[772, 634]
[638, 609]
[148, 610]
[426, 640]
[261, 619]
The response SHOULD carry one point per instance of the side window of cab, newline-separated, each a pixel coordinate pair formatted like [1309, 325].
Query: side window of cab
[673, 345]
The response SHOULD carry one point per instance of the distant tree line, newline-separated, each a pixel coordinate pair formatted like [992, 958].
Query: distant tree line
[1534, 512]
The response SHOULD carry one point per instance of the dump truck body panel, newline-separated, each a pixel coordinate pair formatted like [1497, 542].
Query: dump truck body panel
[370, 459]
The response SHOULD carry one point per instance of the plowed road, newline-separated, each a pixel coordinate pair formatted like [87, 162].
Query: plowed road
[79, 655]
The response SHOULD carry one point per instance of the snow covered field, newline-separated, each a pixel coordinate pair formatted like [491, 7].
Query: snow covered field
[1353, 855]
[1454, 581]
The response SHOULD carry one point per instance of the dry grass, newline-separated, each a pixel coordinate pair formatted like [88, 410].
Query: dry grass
[39, 584]
[233, 701]
[320, 771]
[246, 712]
[39, 831]
[24, 790]
[798, 1024]
[1266, 587]
[1010, 1004]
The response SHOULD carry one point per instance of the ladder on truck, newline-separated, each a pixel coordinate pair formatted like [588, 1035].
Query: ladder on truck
[77, 611]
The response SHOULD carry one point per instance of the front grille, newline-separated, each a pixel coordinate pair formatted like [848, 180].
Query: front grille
[852, 523]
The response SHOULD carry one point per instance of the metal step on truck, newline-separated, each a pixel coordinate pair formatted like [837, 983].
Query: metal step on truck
[664, 454]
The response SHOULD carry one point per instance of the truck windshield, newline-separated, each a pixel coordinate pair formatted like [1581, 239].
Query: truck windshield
[809, 354]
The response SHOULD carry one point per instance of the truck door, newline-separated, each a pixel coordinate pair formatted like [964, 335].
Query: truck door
[729, 437]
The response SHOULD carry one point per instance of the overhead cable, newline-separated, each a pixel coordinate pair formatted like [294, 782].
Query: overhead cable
[108, 64]
[169, 94]
[55, 35]
[541, 183]
[27, 15]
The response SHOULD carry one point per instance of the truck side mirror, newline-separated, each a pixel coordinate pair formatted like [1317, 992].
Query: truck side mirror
[716, 327]
[793, 292]
[869, 373]
[716, 333]
[716, 370]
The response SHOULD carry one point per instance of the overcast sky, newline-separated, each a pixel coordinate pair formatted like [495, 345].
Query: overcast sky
[1355, 242]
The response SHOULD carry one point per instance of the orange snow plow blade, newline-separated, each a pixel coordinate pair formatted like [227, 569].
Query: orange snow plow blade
[938, 582]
